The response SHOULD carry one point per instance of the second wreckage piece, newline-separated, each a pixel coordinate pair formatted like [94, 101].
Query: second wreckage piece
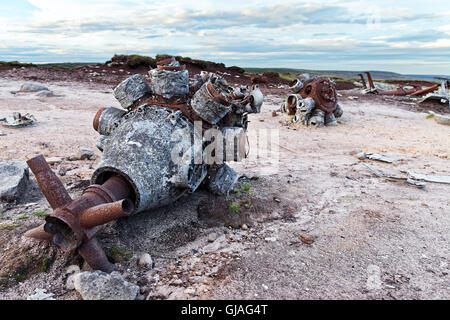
[313, 102]
[155, 149]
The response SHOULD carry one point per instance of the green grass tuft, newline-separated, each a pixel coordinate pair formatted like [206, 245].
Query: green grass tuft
[40, 213]
[234, 207]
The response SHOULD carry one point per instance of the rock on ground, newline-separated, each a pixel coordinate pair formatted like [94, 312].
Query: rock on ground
[33, 87]
[98, 285]
[14, 177]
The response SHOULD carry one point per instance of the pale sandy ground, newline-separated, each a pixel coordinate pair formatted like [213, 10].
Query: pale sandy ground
[374, 238]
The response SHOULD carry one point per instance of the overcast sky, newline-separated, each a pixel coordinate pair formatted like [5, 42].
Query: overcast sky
[403, 36]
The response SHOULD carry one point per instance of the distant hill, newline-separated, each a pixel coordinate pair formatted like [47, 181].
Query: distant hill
[347, 75]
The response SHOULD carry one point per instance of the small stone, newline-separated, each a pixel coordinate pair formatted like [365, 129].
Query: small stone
[355, 152]
[71, 271]
[2, 133]
[265, 287]
[83, 154]
[40, 294]
[244, 227]
[53, 160]
[189, 291]
[33, 87]
[98, 285]
[45, 93]
[86, 153]
[361, 156]
[308, 239]
[145, 260]
[14, 178]
[270, 239]
[212, 237]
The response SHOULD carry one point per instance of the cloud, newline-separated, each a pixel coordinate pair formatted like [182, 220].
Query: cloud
[299, 34]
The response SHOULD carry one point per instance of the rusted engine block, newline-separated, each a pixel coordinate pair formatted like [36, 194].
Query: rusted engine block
[313, 102]
[155, 149]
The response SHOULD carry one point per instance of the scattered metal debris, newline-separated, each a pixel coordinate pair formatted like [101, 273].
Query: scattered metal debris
[314, 102]
[153, 153]
[442, 95]
[378, 157]
[429, 178]
[437, 93]
[373, 156]
[18, 121]
[409, 180]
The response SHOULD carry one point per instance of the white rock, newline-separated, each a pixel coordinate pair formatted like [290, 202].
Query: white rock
[14, 178]
[270, 239]
[53, 160]
[98, 285]
[145, 260]
[40, 294]
[33, 87]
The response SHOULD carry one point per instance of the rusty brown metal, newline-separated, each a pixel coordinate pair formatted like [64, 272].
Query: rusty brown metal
[363, 81]
[369, 78]
[39, 234]
[398, 92]
[50, 185]
[323, 92]
[74, 223]
[426, 90]
[93, 254]
[107, 212]
[291, 104]
[219, 97]
[97, 118]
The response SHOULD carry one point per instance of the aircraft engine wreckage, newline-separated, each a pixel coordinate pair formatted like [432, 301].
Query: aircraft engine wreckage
[148, 158]
[314, 102]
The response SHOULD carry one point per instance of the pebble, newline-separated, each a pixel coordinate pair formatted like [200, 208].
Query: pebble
[244, 227]
[189, 291]
[212, 237]
[145, 260]
[361, 156]
[270, 239]
[2, 133]
[41, 294]
[53, 160]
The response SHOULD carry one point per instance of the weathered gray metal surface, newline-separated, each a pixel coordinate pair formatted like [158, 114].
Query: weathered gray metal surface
[209, 107]
[223, 180]
[296, 86]
[339, 111]
[131, 90]
[143, 149]
[330, 119]
[257, 101]
[109, 120]
[169, 83]
[304, 111]
[317, 118]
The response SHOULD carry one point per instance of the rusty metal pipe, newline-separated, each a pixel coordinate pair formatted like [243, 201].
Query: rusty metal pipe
[93, 254]
[363, 81]
[50, 185]
[426, 90]
[39, 233]
[64, 223]
[107, 212]
[369, 77]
